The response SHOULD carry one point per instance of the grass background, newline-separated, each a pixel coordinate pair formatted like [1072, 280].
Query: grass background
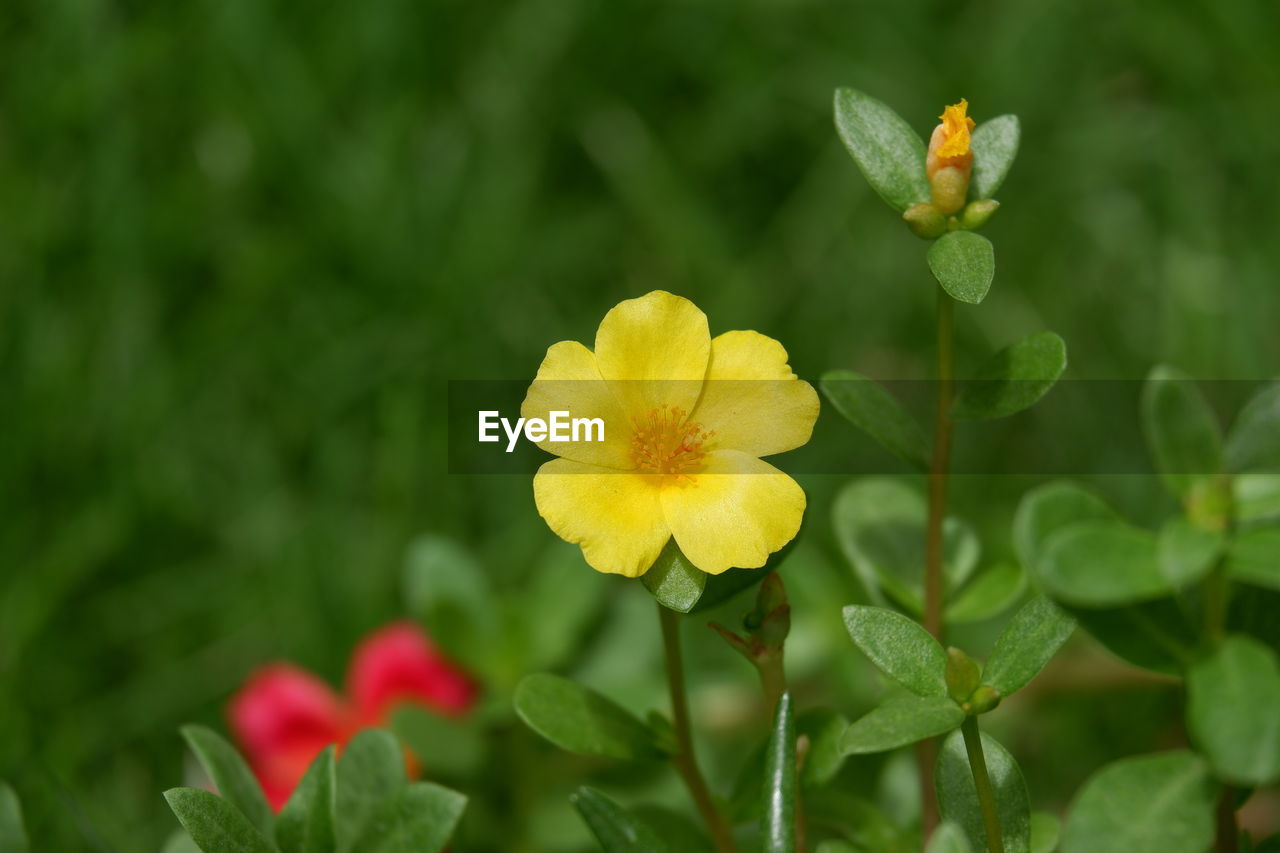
[244, 243]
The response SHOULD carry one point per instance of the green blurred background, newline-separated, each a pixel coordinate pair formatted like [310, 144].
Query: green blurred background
[244, 243]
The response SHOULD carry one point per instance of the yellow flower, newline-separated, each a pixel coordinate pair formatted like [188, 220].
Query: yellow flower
[950, 159]
[686, 418]
[954, 129]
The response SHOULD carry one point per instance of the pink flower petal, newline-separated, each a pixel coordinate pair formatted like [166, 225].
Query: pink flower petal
[283, 717]
[399, 664]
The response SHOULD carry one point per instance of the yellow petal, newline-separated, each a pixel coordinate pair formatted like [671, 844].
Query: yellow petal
[653, 351]
[734, 513]
[568, 381]
[956, 125]
[615, 516]
[752, 399]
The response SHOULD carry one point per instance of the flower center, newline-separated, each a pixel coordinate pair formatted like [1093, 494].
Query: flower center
[664, 442]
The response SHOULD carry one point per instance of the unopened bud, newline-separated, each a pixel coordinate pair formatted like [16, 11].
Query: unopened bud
[977, 213]
[984, 699]
[773, 631]
[949, 160]
[771, 595]
[925, 221]
[963, 675]
[949, 187]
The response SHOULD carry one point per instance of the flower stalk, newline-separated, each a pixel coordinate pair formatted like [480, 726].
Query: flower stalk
[685, 760]
[982, 781]
[926, 750]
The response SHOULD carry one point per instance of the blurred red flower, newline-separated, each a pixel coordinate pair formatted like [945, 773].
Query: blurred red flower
[284, 716]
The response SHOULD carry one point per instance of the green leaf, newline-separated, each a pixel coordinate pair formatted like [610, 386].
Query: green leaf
[447, 588]
[1045, 831]
[453, 746]
[617, 830]
[958, 796]
[13, 835]
[1185, 552]
[1150, 804]
[884, 146]
[675, 582]
[305, 824]
[230, 775]
[994, 144]
[214, 824]
[990, 593]
[1255, 558]
[1013, 379]
[1233, 710]
[1101, 564]
[1253, 444]
[370, 771]
[1184, 436]
[778, 820]
[880, 524]
[419, 818]
[900, 721]
[580, 720]
[871, 408]
[1047, 510]
[964, 263]
[900, 648]
[949, 838]
[1154, 635]
[1031, 638]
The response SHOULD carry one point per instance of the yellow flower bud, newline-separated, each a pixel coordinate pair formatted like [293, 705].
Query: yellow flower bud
[950, 159]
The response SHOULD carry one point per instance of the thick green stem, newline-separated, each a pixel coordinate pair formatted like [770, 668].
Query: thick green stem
[1228, 833]
[982, 781]
[685, 761]
[933, 545]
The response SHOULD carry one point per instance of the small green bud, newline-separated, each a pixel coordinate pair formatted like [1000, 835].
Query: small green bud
[977, 213]
[773, 631]
[771, 595]
[925, 221]
[963, 675]
[984, 699]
